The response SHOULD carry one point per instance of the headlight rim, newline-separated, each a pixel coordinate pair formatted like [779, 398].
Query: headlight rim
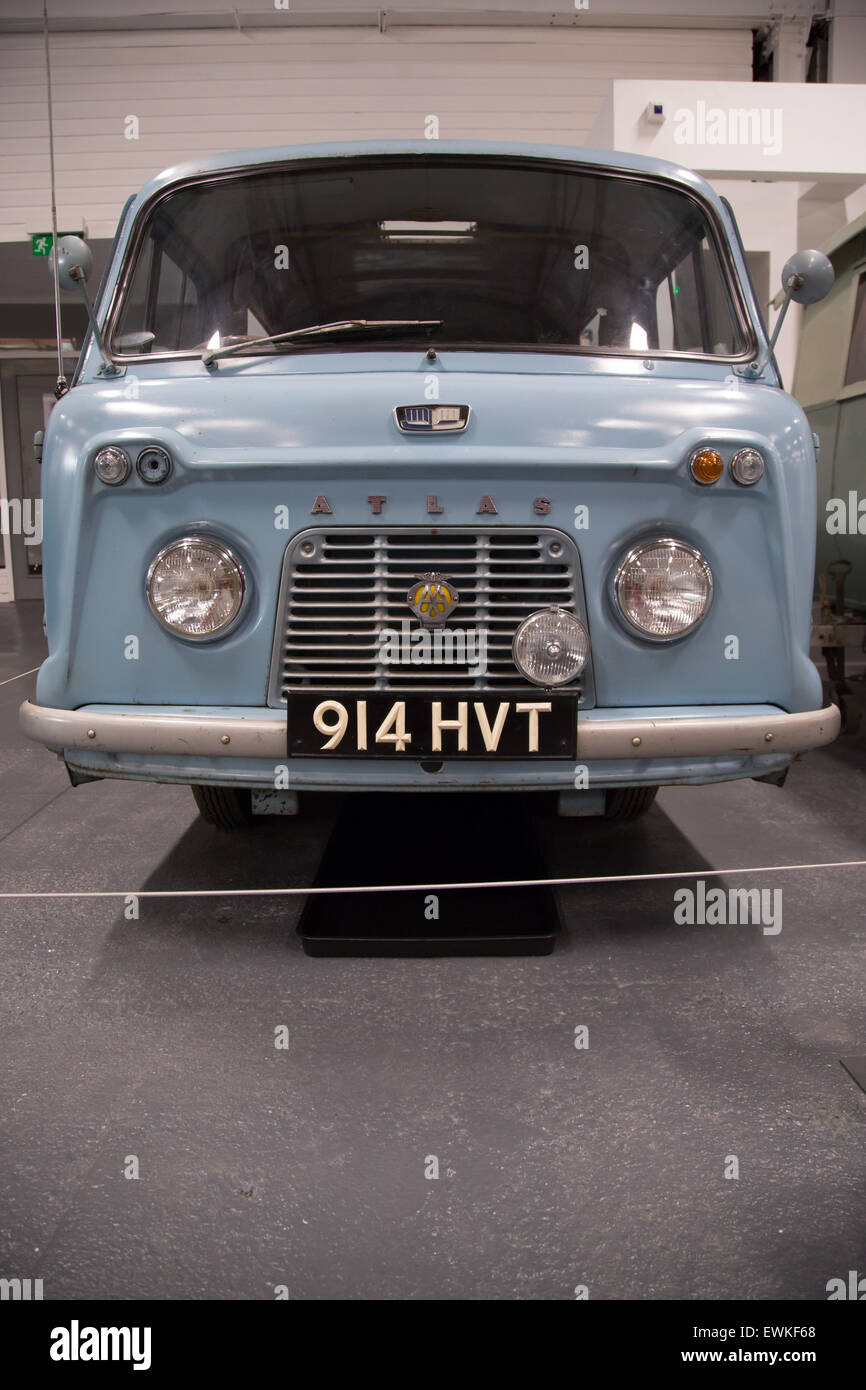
[226, 553]
[626, 622]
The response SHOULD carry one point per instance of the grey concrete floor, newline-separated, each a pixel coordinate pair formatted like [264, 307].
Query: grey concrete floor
[305, 1167]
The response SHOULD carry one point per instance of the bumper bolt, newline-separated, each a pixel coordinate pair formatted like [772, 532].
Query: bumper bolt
[635, 743]
[225, 739]
[91, 733]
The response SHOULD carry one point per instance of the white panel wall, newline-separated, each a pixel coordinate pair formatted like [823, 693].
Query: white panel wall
[198, 92]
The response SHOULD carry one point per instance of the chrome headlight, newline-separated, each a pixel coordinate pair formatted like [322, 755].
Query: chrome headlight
[196, 588]
[550, 647]
[663, 588]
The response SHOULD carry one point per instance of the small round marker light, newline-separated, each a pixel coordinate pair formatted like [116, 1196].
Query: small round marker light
[112, 466]
[747, 467]
[707, 466]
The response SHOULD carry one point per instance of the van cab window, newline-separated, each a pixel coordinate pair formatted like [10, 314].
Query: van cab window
[525, 257]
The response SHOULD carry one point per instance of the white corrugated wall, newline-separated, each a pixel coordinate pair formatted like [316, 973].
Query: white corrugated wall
[198, 92]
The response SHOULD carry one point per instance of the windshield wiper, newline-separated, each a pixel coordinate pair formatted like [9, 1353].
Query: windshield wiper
[317, 330]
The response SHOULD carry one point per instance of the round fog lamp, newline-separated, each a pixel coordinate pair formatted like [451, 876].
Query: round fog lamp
[747, 467]
[663, 588]
[550, 647]
[195, 588]
[707, 466]
[112, 466]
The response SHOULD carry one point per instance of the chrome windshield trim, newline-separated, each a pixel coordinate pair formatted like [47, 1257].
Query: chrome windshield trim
[722, 244]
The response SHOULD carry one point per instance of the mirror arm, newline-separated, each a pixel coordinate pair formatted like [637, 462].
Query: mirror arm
[755, 368]
[109, 367]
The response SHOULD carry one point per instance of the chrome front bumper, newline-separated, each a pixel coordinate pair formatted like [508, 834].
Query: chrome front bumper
[252, 735]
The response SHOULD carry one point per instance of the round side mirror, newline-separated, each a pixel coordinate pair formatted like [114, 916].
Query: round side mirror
[74, 261]
[812, 274]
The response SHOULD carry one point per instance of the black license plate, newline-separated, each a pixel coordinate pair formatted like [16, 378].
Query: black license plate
[509, 724]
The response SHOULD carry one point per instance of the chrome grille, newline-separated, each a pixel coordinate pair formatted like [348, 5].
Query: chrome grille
[341, 587]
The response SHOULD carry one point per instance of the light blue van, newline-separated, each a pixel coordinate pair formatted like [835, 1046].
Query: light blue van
[428, 466]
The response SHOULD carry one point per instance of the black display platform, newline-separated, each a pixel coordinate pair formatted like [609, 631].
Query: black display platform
[856, 1069]
[405, 838]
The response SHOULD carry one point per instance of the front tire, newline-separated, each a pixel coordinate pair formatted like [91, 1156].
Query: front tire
[628, 803]
[226, 808]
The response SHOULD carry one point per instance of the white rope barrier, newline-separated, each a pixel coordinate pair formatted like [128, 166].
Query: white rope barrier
[20, 674]
[433, 887]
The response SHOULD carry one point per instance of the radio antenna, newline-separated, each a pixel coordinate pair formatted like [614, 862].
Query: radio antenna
[62, 384]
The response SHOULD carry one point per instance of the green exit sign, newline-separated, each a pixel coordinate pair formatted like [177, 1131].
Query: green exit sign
[40, 242]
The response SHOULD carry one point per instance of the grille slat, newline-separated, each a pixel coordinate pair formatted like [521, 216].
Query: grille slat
[341, 588]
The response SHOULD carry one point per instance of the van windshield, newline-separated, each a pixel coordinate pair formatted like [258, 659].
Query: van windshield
[503, 253]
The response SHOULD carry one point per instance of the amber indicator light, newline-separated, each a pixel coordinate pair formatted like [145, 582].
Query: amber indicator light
[707, 466]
